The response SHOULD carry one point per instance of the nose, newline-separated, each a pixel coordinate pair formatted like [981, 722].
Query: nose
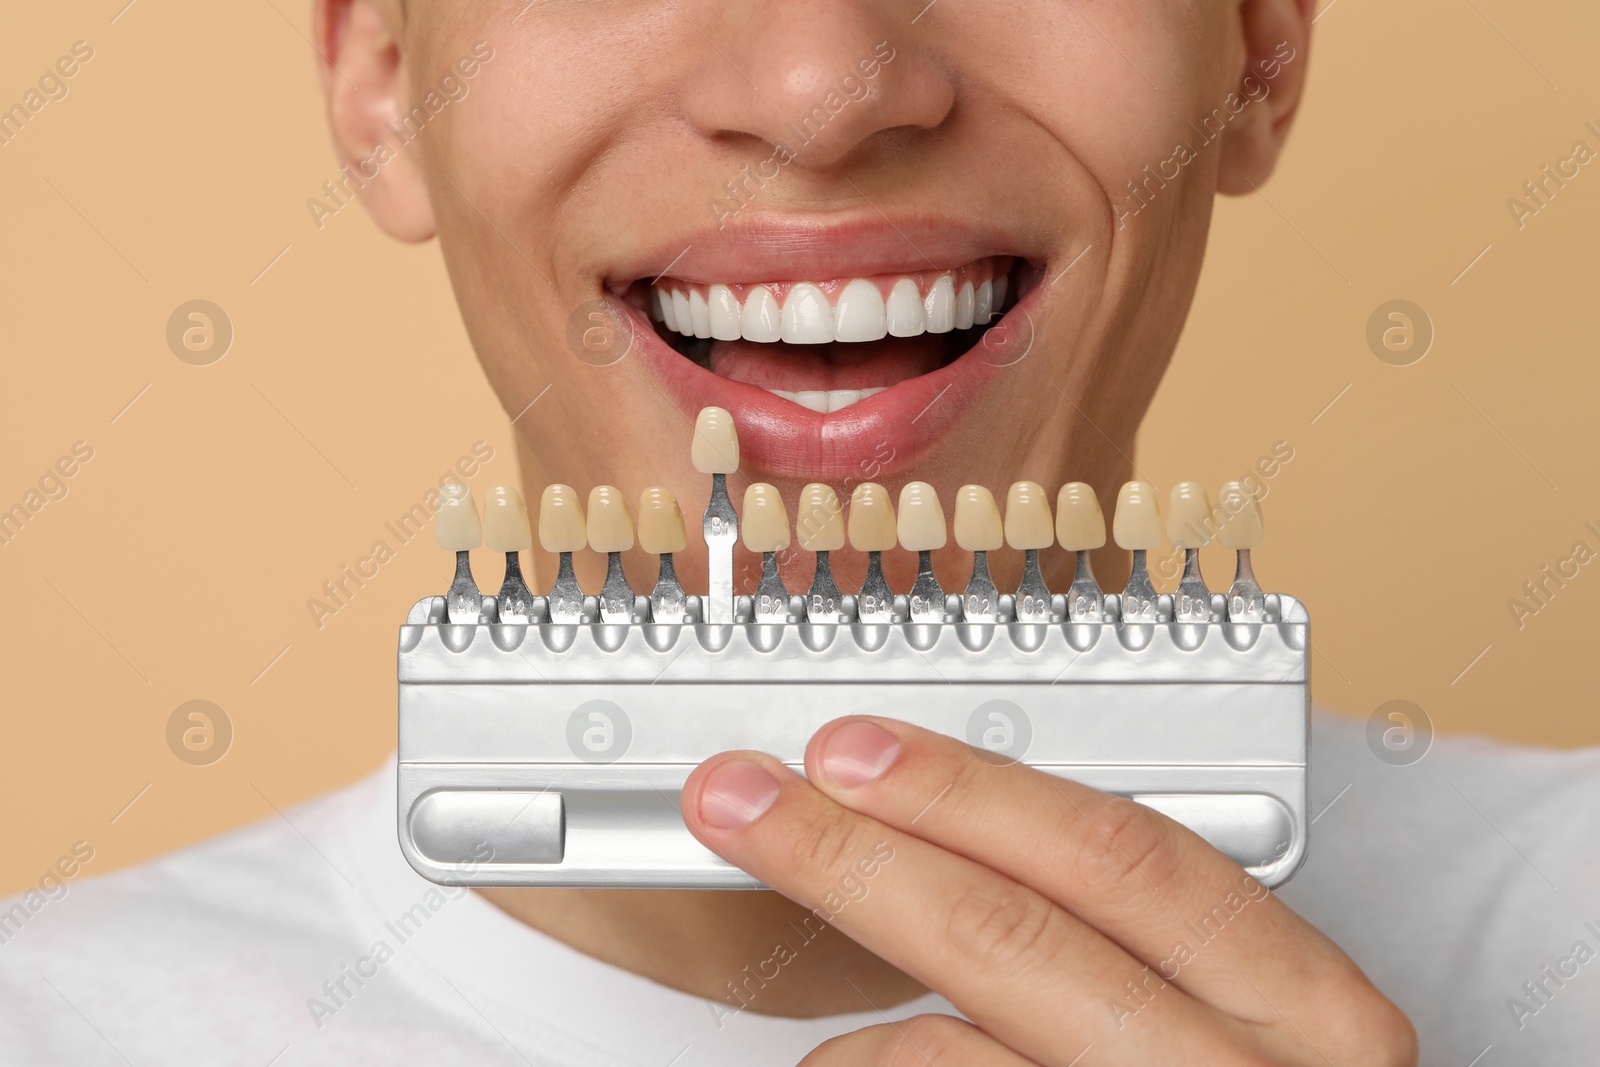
[821, 78]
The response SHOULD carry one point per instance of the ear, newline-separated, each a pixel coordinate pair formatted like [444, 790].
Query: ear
[363, 76]
[1277, 44]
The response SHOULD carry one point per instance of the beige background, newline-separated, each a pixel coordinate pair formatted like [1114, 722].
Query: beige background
[179, 563]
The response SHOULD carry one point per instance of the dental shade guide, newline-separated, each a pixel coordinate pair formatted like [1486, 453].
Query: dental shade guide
[819, 528]
[715, 451]
[459, 530]
[545, 733]
[979, 530]
[662, 532]
[1081, 528]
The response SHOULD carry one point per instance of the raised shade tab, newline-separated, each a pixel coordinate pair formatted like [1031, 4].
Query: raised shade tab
[1137, 524]
[1080, 525]
[978, 526]
[819, 523]
[610, 527]
[921, 525]
[872, 526]
[1241, 517]
[1189, 520]
[561, 525]
[764, 522]
[457, 527]
[1028, 522]
[661, 522]
[716, 442]
[505, 521]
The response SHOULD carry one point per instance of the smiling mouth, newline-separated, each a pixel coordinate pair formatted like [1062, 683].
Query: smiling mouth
[828, 344]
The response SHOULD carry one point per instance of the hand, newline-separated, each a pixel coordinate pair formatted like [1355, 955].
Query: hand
[1064, 922]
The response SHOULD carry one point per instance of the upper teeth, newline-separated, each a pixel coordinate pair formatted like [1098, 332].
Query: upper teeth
[801, 312]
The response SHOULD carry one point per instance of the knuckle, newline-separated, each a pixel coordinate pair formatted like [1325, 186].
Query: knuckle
[1386, 1036]
[920, 1041]
[1122, 846]
[825, 842]
[1005, 927]
[929, 1039]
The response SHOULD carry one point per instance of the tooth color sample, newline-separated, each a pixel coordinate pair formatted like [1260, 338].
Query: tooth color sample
[1137, 523]
[819, 524]
[505, 521]
[716, 442]
[1080, 525]
[561, 523]
[764, 523]
[1241, 518]
[872, 525]
[610, 526]
[661, 522]
[1189, 521]
[978, 526]
[921, 521]
[458, 527]
[1028, 522]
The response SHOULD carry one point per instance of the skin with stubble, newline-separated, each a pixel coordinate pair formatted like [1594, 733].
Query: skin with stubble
[607, 147]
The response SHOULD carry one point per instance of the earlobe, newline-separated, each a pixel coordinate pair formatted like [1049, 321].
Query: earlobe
[363, 75]
[1276, 35]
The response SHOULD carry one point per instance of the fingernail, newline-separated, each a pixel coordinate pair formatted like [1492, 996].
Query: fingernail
[858, 752]
[736, 794]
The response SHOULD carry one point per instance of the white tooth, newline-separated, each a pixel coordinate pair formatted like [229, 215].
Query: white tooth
[699, 314]
[681, 312]
[965, 305]
[669, 314]
[807, 318]
[815, 399]
[842, 398]
[999, 294]
[940, 305]
[983, 304]
[859, 315]
[761, 320]
[786, 395]
[724, 314]
[905, 318]
[655, 305]
[872, 392]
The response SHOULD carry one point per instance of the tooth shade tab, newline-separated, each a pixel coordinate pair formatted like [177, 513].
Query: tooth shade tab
[1241, 526]
[561, 523]
[661, 528]
[872, 521]
[1189, 520]
[1137, 523]
[764, 522]
[457, 527]
[1080, 524]
[610, 527]
[1028, 521]
[819, 524]
[978, 526]
[716, 442]
[505, 521]
[921, 521]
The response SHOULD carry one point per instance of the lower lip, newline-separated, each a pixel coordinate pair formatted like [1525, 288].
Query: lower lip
[875, 437]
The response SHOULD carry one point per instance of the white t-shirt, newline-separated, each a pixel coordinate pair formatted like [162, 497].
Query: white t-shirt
[308, 940]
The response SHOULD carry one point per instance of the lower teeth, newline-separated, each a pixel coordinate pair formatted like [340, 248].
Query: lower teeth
[825, 401]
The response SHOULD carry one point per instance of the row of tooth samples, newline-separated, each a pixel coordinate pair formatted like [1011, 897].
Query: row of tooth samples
[846, 309]
[874, 526]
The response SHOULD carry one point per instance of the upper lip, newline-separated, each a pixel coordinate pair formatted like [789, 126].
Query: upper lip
[771, 247]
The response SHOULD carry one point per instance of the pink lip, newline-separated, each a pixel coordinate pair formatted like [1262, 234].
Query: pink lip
[873, 438]
[774, 248]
